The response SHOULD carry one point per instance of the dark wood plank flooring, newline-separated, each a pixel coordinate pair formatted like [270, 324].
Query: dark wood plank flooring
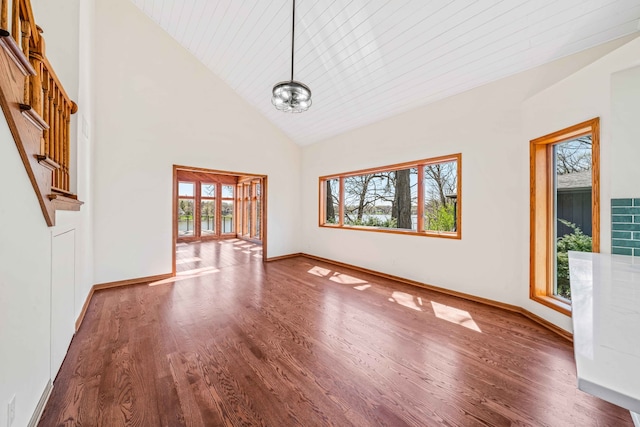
[302, 343]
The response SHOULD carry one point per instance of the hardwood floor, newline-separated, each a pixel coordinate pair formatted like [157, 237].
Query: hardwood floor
[300, 343]
[216, 253]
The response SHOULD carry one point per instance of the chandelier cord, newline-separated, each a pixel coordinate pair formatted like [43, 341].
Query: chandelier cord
[293, 34]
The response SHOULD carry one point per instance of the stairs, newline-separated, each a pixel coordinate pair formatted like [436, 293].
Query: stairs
[29, 129]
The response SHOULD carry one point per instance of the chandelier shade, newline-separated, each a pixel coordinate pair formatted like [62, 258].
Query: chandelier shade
[291, 96]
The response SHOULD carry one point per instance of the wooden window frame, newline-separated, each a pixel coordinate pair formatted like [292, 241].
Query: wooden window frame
[200, 178]
[219, 209]
[247, 208]
[195, 199]
[420, 165]
[208, 198]
[541, 272]
[238, 210]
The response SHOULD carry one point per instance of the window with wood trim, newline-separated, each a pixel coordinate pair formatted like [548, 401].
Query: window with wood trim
[249, 202]
[227, 208]
[565, 208]
[186, 208]
[207, 209]
[419, 198]
[205, 205]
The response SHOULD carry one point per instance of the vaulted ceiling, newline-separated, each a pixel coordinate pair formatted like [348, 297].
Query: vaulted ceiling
[366, 60]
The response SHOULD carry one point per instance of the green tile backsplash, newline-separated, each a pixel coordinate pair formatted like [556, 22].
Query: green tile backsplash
[625, 226]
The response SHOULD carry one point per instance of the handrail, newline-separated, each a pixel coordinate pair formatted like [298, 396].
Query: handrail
[44, 94]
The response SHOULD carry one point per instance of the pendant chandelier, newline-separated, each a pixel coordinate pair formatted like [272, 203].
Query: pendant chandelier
[291, 96]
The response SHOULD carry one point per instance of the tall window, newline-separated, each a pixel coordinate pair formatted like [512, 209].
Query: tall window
[565, 212]
[258, 205]
[207, 209]
[421, 198]
[205, 205]
[186, 208]
[249, 200]
[227, 208]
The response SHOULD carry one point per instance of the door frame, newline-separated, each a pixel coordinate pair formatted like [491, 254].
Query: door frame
[174, 203]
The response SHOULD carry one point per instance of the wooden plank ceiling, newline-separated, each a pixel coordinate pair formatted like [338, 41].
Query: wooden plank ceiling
[366, 60]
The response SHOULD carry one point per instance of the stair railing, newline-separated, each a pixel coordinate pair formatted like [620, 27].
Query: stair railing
[44, 94]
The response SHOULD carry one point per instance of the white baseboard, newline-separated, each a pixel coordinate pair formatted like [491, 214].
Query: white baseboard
[37, 413]
[636, 419]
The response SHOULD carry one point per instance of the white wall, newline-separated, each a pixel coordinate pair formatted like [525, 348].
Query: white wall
[156, 106]
[67, 26]
[487, 125]
[26, 241]
[25, 280]
[625, 133]
[68, 34]
[582, 96]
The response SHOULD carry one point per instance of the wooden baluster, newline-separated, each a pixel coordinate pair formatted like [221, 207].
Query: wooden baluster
[36, 86]
[67, 154]
[45, 110]
[50, 119]
[4, 15]
[59, 121]
[15, 20]
[61, 132]
[26, 37]
[56, 136]
[36, 57]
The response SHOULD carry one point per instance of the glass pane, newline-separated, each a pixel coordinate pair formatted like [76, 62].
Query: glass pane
[440, 196]
[249, 216]
[258, 213]
[207, 217]
[185, 218]
[208, 190]
[572, 206]
[332, 200]
[227, 191]
[227, 216]
[381, 199]
[186, 189]
[238, 218]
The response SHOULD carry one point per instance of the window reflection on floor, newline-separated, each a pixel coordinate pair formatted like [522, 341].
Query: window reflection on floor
[216, 254]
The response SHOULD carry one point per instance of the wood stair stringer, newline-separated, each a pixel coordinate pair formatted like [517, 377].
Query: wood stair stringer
[27, 129]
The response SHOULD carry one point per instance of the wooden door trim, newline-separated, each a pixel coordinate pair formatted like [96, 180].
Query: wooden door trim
[185, 171]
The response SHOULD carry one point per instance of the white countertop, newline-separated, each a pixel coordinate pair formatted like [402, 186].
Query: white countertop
[605, 299]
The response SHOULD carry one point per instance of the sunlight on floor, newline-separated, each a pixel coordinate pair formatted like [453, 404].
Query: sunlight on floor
[187, 260]
[454, 315]
[345, 279]
[405, 299]
[444, 312]
[189, 274]
[319, 271]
